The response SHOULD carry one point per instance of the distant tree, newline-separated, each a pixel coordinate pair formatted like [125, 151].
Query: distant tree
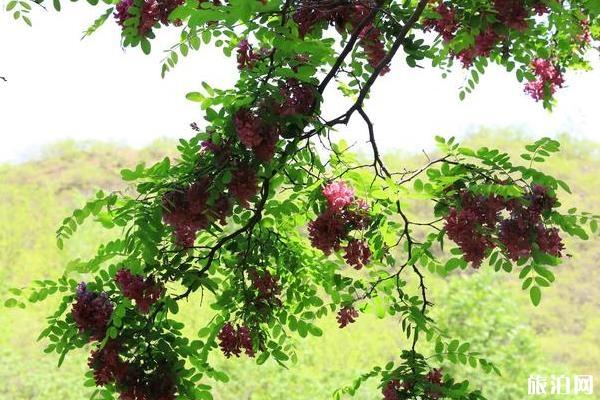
[501, 332]
[230, 216]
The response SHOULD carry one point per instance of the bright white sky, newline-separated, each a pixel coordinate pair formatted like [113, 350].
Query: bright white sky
[62, 87]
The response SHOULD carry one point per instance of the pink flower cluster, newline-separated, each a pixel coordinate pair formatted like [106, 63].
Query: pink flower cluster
[338, 195]
[473, 226]
[235, 339]
[346, 315]
[549, 78]
[91, 312]
[145, 292]
[152, 12]
[343, 214]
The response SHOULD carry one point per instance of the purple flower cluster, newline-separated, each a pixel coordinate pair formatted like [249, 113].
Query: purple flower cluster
[91, 312]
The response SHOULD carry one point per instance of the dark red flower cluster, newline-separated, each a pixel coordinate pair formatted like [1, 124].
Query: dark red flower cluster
[345, 16]
[152, 12]
[462, 227]
[540, 7]
[512, 13]
[259, 130]
[515, 235]
[298, 98]
[549, 78]
[145, 292]
[357, 253]
[473, 226]
[585, 37]
[234, 339]
[373, 46]
[434, 377]
[396, 390]
[484, 44]
[346, 315]
[188, 212]
[215, 2]
[509, 13]
[221, 209]
[122, 11]
[256, 134]
[91, 312]
[549, 240]
[525, 227]
[327, 232]
[159, 384]
[243, 185]
[267, 286]
[184, 210]
[310, 13]
[107, 365]
[246, 57]
[446, 25]
[344, 213]
[133, 381]
[540, 200]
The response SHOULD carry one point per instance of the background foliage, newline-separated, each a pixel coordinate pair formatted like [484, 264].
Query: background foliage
[559, 336]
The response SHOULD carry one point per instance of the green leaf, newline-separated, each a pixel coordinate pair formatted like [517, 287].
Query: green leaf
[439, 346]
[262, 358]
[280, 355]
[10, 303]
[453, 345]
[145, 44]
[536, 295]
[195, 96]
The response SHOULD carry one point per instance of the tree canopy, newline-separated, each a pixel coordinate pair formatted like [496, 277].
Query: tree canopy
[279, 227]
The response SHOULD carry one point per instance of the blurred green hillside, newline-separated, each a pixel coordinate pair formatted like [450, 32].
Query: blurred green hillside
[488, 309]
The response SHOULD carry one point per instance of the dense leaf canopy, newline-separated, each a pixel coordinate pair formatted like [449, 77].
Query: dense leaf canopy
[278, 227]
